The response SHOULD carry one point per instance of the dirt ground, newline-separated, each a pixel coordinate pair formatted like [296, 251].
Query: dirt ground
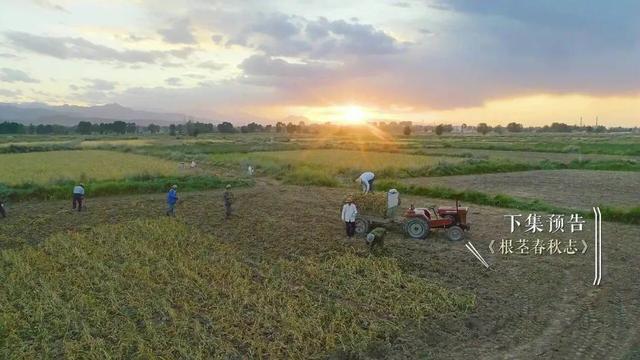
[526, 156]
[528, 306]
[567, 188]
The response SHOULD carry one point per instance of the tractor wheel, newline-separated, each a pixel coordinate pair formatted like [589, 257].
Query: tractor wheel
[362, 226]
[416, 228]
[455, 233]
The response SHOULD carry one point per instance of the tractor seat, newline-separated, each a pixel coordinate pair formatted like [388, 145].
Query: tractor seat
[421, 211]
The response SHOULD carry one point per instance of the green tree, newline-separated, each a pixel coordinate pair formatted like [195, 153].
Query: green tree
[514, 127]
[153, 128]
[84, 128]
[226, 127]
[483, 128]
[407, 130]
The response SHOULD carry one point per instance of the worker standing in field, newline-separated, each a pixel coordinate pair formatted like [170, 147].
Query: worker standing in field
[228, 200]
[172, 199]
[349, 212]
[366, 179]
[3, 212]
[78, 196]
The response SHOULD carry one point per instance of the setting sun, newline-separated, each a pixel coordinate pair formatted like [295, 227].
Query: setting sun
[353, 115]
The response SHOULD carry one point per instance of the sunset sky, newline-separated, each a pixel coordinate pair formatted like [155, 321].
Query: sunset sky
[427, 61]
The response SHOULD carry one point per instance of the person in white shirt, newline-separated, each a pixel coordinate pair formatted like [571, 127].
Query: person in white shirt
[349, 212]
[78, 196]
[366, 179]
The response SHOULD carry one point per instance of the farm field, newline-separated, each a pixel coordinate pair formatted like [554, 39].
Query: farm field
[339, 159]
[115, 142]
[565, 188]
[253, 288]
[44, 167]
[623, 144]
[525, 156]
[31, 143]
[279, 279]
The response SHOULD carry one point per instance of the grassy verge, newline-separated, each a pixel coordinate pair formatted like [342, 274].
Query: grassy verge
[26, 148]
[160, 289]
[137, 184]
[630, 216]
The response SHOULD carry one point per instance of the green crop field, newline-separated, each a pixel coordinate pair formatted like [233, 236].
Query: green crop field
[115, 142]
[339, 159]
[43, 167]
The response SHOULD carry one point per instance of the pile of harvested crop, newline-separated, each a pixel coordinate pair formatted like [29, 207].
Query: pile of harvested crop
[374, 204]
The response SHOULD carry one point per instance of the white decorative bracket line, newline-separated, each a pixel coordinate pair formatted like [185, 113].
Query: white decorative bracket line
[597, 246]
[475, 253]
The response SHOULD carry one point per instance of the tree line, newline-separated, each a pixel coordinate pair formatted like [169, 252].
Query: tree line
[191, 128]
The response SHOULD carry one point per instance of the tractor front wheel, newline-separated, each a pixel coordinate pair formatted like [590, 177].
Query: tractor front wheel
[416, 228]
[455, 233]
[362, 226]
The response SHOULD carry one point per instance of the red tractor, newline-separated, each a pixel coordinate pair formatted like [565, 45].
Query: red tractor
[417, 222]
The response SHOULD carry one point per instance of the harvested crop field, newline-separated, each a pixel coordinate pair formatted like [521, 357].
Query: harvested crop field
[168, 296]
[525, 156]
[566, 188]
[44, 167]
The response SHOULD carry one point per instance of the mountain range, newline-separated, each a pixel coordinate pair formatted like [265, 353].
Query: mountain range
[68, 115]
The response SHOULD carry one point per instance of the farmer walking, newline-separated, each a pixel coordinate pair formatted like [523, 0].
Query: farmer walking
[349, 212]
[228, 200]
[78, 196]
[172, 199]
[366, 179]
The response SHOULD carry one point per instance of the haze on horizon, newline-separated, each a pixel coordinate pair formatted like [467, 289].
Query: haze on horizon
[428, 61]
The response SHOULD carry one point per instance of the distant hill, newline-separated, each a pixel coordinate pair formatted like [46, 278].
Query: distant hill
[68, 115]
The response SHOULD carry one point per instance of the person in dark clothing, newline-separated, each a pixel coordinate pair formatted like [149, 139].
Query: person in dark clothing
[3, 212]
[172, 199]
[78, 196]
[228, 200]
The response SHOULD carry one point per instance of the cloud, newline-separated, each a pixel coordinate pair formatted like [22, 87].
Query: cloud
[217, 39]
[100, 85]
[14, 75]
[173, 81]
[577, 24]
[10, 93]
[278, 34]
[79, 48]
[401, 4]
[49, 5]
[178, 33]
[262, 65]
[207, 99]
[212, 65]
